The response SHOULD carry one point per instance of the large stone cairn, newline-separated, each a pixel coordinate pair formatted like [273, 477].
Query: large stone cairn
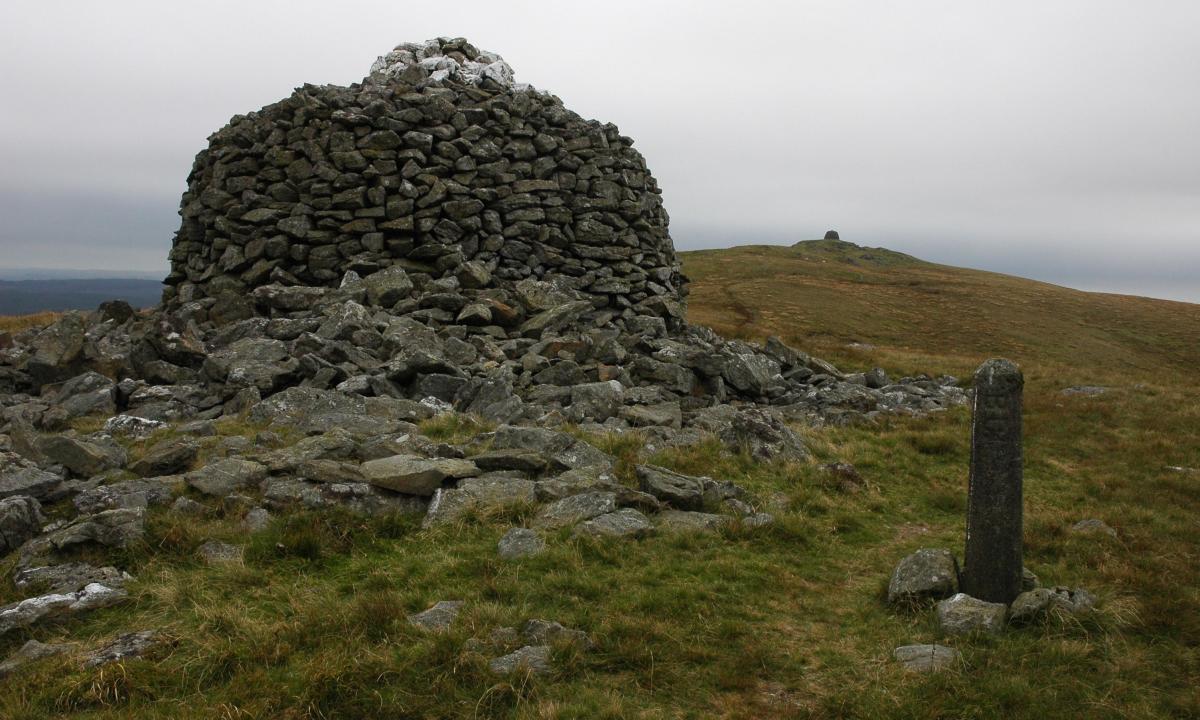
[437, 163]
[354, 261]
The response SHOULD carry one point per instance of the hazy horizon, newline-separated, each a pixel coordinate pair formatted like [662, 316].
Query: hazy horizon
[1051, 142]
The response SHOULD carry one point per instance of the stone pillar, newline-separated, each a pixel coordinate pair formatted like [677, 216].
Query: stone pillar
[992, 566]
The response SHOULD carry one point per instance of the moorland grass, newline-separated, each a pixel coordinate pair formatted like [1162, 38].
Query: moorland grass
[783, 621]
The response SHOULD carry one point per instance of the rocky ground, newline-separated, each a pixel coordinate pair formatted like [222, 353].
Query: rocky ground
[109, 413]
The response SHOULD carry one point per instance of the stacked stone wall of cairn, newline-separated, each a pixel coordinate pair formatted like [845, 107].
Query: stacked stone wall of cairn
[439, 164]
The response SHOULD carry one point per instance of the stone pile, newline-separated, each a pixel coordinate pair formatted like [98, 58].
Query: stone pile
[436, 163]
[932, 574]
[353, 261]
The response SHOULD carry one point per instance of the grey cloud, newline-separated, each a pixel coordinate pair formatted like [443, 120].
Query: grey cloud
[1055, 140]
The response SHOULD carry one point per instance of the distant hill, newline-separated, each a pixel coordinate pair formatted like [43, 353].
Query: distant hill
[833, 297]
[21, 297]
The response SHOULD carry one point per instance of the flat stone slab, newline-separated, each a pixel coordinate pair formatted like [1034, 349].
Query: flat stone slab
[225, 476]
[575, 508]
[520, 543]
[68, 577]
[549, 632]
[439, 617]
[31, 481]
[676, 489]
[927, 658]
[128, 645]
[687, 521]
[215, 552]
[27, 612]
[534, 659]
[482, 493]
[624, 523]
[963, 615]
[415, 475]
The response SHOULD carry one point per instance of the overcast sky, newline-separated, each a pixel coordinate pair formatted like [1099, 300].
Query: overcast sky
[1055, 140]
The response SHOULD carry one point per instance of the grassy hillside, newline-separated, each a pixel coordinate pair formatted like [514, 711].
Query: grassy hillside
[823, 295]
[785, 621]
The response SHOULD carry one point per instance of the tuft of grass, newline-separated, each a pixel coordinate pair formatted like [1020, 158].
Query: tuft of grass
[453, 427]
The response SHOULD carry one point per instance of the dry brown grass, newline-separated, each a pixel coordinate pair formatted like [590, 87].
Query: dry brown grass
[17, 323]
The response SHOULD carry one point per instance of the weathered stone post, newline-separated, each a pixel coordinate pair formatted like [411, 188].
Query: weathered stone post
[992, 567]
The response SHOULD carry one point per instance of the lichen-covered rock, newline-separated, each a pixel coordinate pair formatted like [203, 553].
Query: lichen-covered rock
[18, 477]
[361, 498]
[534, 659]
[20, 519]
[1034, 604]
[1093, 526]
[225, 476]
[688, 521]
[67, 578]
[487, 493]
[438, 617]
[575, 508]
[681, 491]
[134, 644]
[963, 615]
[927, 658]
[549, 632]
[927, 574]
[27, 612]
[416, 475]
[83, 458]
[111, 528]
[165, 458]
[519, 543]
[624, 523]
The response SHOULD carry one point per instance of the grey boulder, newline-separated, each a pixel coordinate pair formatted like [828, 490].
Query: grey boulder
[223, 477]
[415, 475]
[20, 519]
[624, 523]
[964, 615]
[927, 574]
[574, 509]
[676, 489]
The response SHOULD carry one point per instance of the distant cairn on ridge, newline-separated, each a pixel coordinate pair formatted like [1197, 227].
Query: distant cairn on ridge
[437, 163]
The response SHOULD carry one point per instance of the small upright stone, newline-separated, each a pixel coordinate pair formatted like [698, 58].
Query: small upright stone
[992, 562]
